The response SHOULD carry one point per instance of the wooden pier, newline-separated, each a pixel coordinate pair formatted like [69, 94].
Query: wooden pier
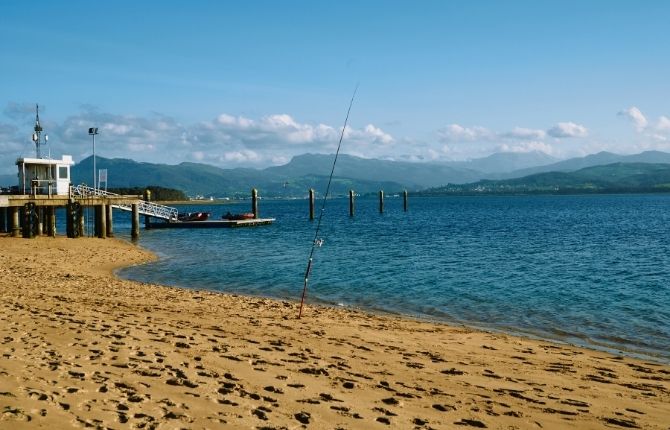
[35, 215]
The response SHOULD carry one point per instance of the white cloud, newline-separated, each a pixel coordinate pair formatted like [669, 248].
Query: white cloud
[652, 136]
[368, 135]
[281, 121]
[567, 129]
[378, 134]
[225, 141]
[458, 133]
[279, 128]
[116, 129]
[239, 122]
[524, 134]
[636, 116]
[454, 133]
[663, 123]
[241, 156]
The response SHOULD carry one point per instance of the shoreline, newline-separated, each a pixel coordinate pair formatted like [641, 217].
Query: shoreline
[84, 346]
[537, 335]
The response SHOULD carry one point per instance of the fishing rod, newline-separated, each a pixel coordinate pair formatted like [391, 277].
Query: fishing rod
[316, 242]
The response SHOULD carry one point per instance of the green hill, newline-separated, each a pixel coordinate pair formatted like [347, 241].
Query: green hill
[600, 159]
[610, 178]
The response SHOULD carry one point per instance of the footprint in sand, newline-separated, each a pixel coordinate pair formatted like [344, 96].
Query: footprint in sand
[471, 423]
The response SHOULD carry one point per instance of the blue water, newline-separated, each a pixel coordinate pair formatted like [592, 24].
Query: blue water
[590, 270]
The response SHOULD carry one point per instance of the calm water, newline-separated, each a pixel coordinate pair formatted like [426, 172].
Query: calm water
[591, 270]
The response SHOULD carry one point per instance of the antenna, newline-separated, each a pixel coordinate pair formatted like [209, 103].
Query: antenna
[37, 135]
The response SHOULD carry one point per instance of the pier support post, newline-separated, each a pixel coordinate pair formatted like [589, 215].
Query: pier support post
[311, 204]
[351, 203]
[16, 225]
[39, 211]
[135, 229]
[28, 219]
[254, 202]
[74, 220]
[381, 201]
[69, 219]
[110, 227]
[3, 220]
[79, 219]
[147, 198]
[404, 200]
[96, 220]
[51, 221]
[102, 224]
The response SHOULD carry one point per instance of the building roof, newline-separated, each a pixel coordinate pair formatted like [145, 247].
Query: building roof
[66, 160]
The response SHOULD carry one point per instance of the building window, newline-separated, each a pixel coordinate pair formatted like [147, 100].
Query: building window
[62, 172]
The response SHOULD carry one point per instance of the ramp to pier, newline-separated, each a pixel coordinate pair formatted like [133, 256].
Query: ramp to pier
[144, 208]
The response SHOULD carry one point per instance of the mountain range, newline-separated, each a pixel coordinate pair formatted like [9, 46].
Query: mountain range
[609, 178]
[599, 159]
[363, 175]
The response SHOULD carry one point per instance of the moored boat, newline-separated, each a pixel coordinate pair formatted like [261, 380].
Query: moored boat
[238, 217]
[194, 216]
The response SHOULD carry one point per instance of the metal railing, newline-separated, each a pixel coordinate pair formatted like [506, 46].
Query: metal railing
[144, 208]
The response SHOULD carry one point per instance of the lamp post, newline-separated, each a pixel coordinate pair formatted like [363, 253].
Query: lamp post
[93, 131]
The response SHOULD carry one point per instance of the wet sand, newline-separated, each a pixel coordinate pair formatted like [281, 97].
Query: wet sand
[83, 348]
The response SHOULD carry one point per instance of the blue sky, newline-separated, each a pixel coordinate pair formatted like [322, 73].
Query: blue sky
[254, 83]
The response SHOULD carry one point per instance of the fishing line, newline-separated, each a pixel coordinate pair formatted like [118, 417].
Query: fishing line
[318, 242]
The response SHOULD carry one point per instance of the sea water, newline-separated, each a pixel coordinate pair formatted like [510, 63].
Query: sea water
[589, 270]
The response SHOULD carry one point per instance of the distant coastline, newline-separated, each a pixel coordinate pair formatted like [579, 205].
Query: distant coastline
[561, 192]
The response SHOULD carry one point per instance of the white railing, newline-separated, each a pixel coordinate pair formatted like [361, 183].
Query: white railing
[144, 208]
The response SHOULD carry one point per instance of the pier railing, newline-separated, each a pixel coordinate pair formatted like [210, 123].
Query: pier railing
[144, 207]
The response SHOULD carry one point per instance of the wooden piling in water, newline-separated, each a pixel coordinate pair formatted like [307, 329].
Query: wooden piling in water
[102, 224]
[351, 203]
[254, 202]
[311, 204]
[404, 200]
[69, 219]
[79, 219]
[135, 229]
[381, 201]
[110, 226]
[147, 198]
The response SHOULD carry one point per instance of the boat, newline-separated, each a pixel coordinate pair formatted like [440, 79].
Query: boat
[238, 217]
[194, 216]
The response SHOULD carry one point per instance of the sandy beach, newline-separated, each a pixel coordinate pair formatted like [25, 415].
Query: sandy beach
[82, 348]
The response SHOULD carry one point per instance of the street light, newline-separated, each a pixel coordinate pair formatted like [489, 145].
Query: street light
[93, 131]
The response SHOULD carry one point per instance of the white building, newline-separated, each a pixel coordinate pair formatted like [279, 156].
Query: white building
[44, 176]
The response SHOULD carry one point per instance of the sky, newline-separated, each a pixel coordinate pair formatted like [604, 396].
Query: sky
[253, 83]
